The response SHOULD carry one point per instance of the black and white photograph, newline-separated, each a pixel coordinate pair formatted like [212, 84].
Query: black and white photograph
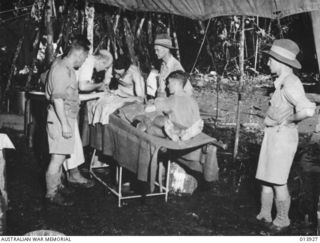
[157, 118]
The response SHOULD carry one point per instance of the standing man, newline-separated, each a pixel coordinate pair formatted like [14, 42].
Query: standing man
[102, 61]
[62, 126]
[162, 47]
[98, 63]
[288, 106]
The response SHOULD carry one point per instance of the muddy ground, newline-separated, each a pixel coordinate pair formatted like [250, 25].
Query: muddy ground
[227, 209]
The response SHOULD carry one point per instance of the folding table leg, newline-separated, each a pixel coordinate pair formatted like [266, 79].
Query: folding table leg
[120, 186]
[167, 180]
[160, 169]
[92, 161]
[117, 174]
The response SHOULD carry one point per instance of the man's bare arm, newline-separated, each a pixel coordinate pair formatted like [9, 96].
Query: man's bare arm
[59, 108]
[313, 97]
[300, 115]
[88, 86]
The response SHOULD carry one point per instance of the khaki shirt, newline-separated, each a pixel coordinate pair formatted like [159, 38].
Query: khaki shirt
[170, 66]
[62, 84]
[181, 109]
[288, 98]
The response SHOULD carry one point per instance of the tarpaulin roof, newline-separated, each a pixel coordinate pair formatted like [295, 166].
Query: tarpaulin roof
[205, 9]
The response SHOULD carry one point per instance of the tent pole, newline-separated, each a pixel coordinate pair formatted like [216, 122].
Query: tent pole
[241, 64]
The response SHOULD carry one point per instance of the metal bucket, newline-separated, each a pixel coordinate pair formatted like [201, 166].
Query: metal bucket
[17, 102]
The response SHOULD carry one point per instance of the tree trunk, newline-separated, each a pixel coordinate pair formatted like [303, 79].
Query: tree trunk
[256, 54]
[36, 48]
[115, 26]
[70, 16]
[90, 24]
[12, 71]
[150, 35]
[13, 65]
[203, 40]
[112, 38]
[140, 27]
[49, 30]
[130, 42]
[175, 37]
[64, 29]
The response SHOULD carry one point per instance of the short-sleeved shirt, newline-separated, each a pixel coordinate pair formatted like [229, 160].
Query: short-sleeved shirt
[182, 109]
[62, 84]
[170, 66]
[85, 72]
[288, 98]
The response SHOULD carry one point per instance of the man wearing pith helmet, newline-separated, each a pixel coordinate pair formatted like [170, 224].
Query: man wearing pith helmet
[288, 106]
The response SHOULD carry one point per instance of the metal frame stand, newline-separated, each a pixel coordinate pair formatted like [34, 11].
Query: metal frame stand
[163, 189]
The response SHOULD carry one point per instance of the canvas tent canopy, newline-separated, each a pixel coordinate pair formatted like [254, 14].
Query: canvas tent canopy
[205, 9]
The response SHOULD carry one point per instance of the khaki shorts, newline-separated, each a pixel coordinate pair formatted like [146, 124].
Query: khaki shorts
[57, 143]
[277, 152]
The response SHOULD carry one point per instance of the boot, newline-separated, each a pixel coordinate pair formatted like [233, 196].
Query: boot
[74, 177]
[282, 221]
[53, 182]
[266, 207]
[59, 200]
[66, 191]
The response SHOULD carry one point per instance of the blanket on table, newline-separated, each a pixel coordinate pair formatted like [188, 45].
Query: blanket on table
[138, 151]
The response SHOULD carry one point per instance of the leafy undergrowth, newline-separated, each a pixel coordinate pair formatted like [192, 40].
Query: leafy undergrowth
[229, 208]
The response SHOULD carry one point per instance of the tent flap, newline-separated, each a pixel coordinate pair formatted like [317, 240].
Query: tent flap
[205, 9]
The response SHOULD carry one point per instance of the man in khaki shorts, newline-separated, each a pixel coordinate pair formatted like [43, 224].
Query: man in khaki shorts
[288, 106]
[62, 126]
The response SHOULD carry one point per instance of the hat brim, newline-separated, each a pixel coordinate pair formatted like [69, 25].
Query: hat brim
[166, 46]
[292, 63]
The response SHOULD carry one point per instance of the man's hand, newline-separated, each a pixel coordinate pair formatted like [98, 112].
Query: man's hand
[270, 123]
[285, 123]
[150, 108]
[122, 83]
[90, 86]
[101, 87]
[67, 131]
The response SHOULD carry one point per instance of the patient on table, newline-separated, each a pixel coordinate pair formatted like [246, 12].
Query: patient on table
[179, 117]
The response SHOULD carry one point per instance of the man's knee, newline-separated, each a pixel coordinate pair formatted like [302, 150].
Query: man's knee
[56, 161]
